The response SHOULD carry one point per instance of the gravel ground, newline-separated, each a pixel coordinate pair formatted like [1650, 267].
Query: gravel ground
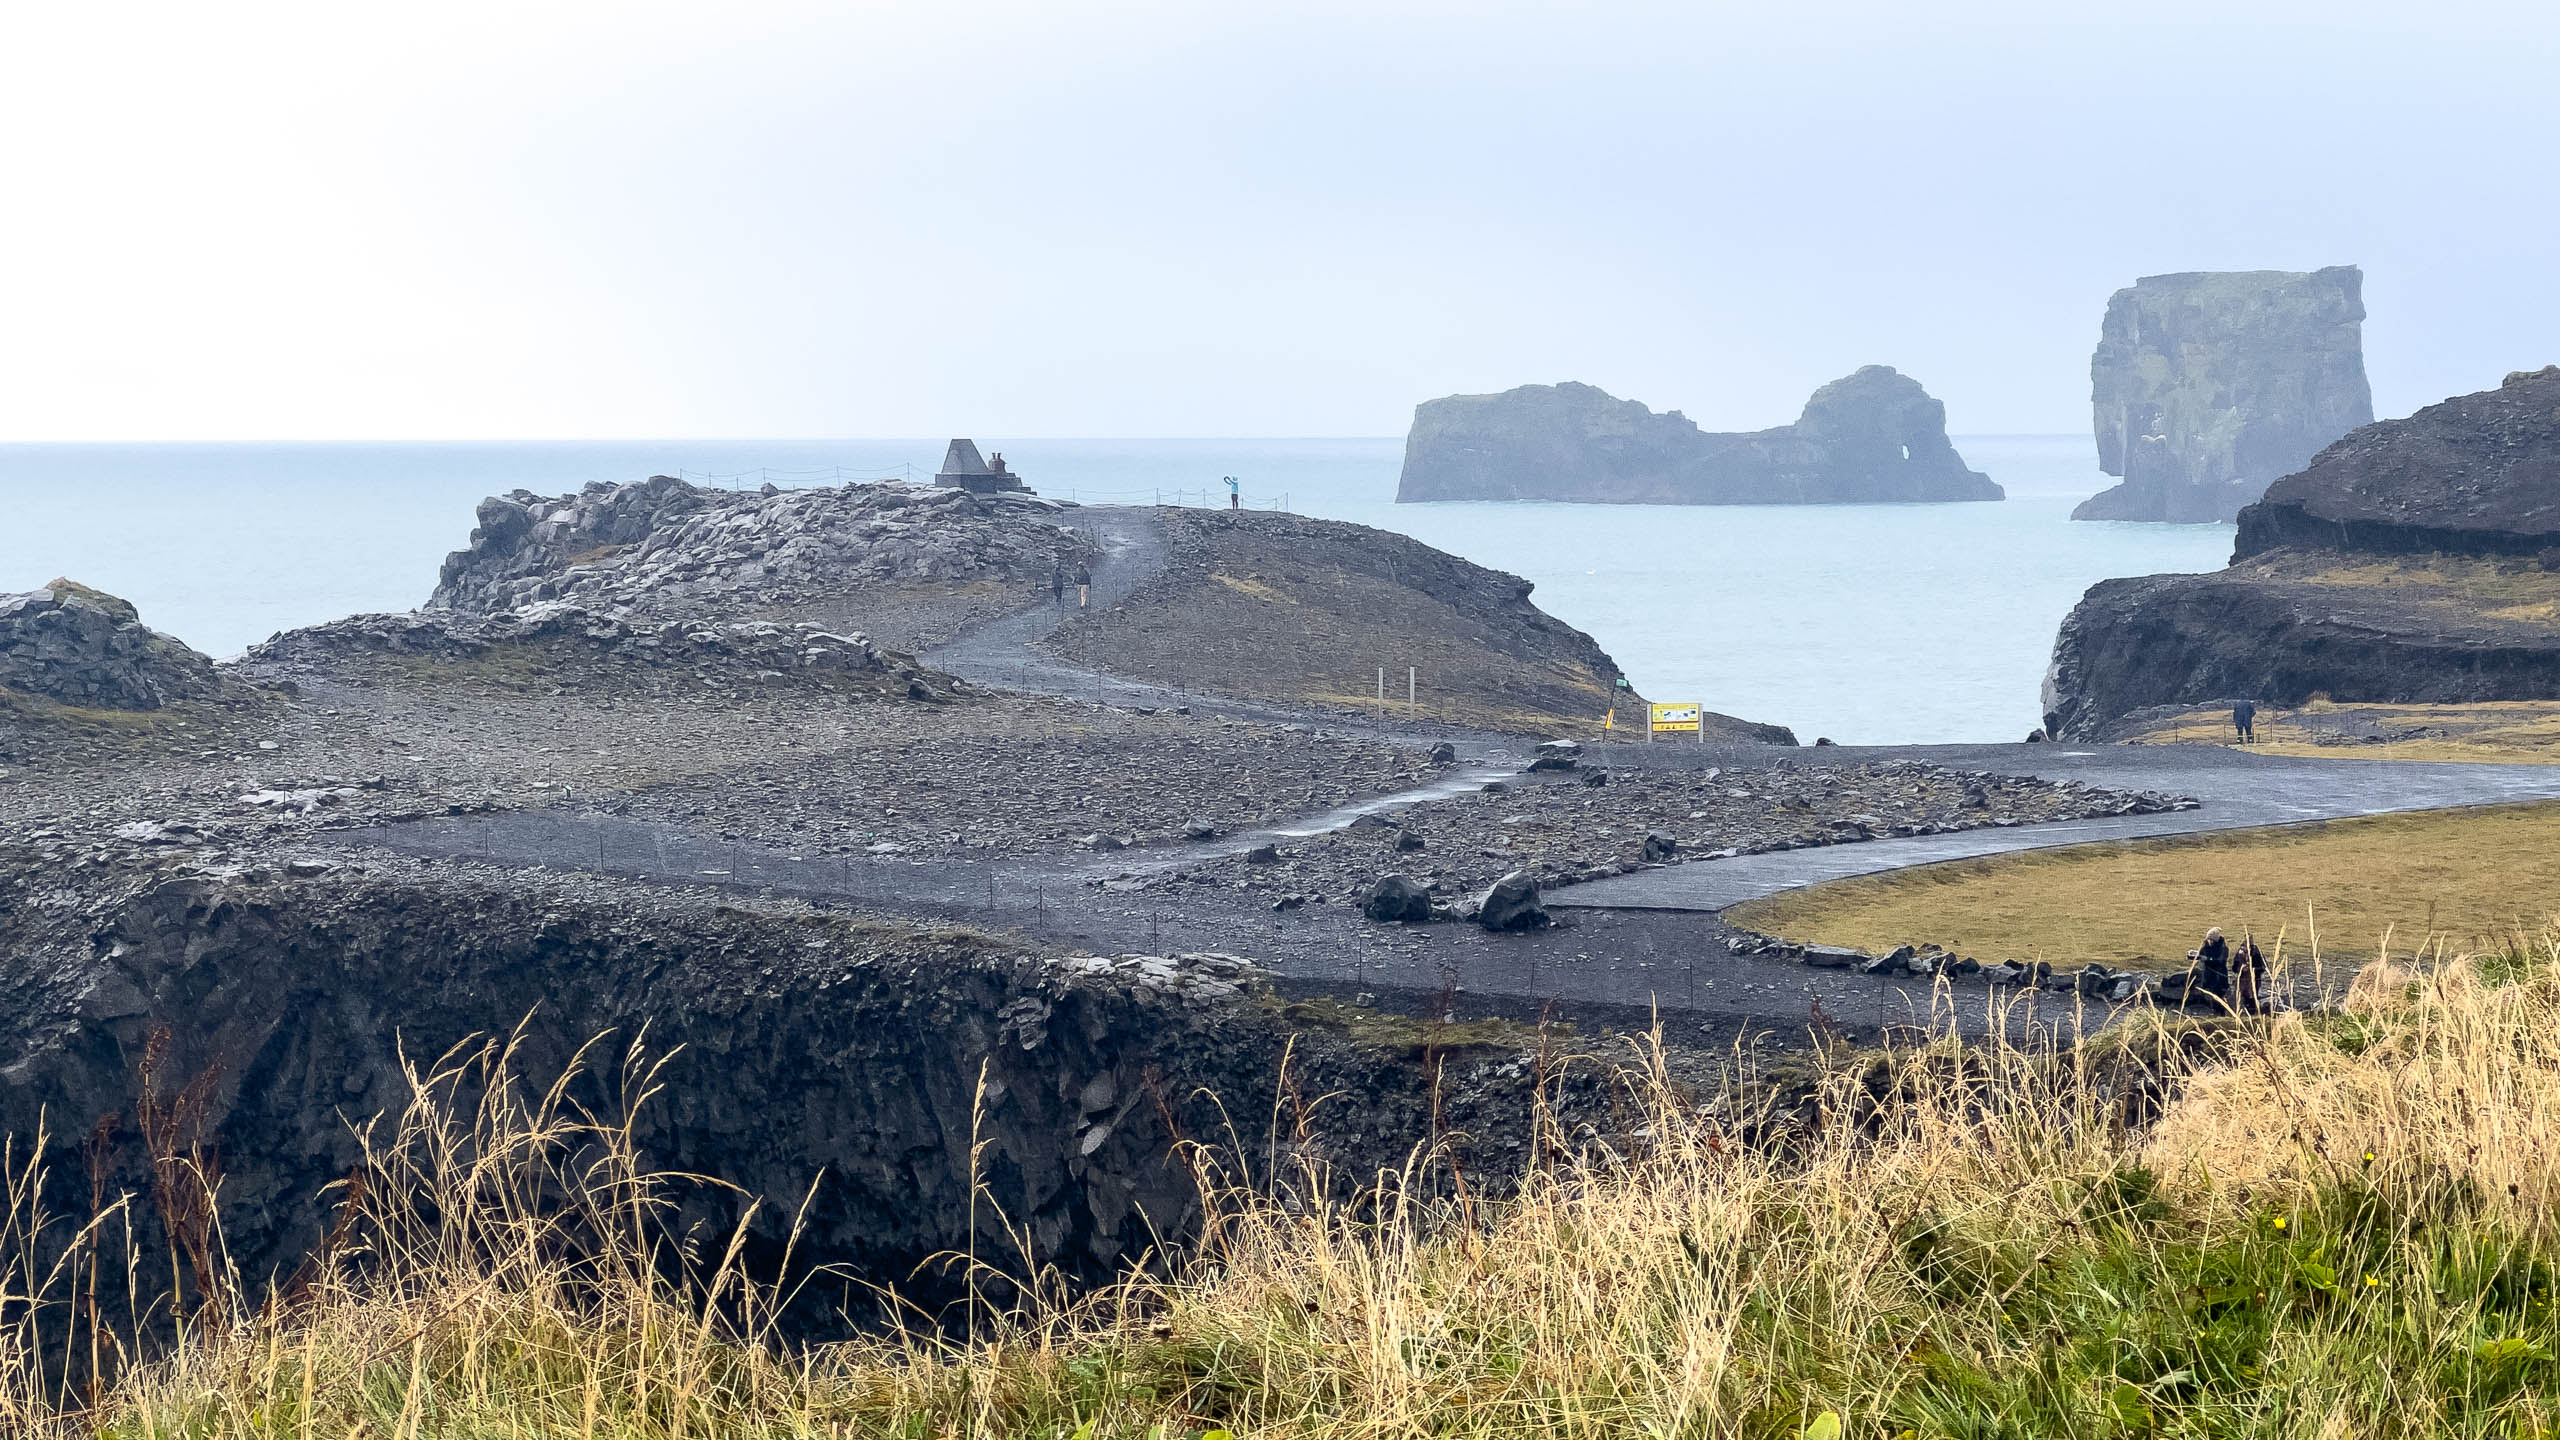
[1566, 828]
[826, 765]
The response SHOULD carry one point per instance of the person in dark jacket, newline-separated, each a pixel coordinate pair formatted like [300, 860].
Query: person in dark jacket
[2249, 978]
[2213, 964]
[2244, 718]
[1084, 588]
[1058, 586]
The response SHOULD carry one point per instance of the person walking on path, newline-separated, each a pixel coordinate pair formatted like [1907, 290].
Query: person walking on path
[1084, 587]
[1058, 586]
[2244, 718]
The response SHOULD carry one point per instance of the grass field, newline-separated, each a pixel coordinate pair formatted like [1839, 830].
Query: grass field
[2511, 732]
[2466, 876]
[2313, 1227]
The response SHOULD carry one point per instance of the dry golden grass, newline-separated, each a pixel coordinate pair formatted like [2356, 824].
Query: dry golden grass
[2511, 587]
[2467, 876]
[2330, 1224]
[2511, 732]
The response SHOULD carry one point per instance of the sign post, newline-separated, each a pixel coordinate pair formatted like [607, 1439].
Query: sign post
[1675, 718]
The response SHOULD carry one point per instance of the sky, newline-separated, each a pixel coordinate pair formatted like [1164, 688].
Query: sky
[765, 217]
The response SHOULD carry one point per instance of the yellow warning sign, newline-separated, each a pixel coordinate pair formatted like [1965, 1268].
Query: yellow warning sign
[1676, 718]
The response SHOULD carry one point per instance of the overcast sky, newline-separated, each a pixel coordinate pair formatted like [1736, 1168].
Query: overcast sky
[744, 218]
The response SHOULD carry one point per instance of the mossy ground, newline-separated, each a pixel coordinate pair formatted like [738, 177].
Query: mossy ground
[2464, 876]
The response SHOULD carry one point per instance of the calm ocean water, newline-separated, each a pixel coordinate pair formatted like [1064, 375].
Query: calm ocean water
[1879, 623]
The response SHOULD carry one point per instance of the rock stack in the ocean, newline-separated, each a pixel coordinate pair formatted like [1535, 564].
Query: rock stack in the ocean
[2208, 385]
[2413, 562]
[1874, 436]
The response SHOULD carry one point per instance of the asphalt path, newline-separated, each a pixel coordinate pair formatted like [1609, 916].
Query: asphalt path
[2239, 791]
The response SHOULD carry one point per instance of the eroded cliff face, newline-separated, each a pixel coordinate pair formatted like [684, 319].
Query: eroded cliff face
[805, 1046]
[2207, 386]
[2406, 564]
[1873, 436]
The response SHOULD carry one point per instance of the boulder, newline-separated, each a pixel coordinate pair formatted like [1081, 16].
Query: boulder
[1444, 753]
[1396, 897]
[1660, 846]
[1512, 903]
[2208, 385]
[1872, 436]
[83, 647]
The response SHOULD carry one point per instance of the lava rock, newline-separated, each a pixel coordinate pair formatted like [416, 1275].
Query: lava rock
[1512, 903]
[1396, 898]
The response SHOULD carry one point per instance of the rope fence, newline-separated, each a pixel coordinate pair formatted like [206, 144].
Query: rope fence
[810, 477]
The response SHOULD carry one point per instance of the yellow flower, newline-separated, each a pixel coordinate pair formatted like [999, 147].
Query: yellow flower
[2279, 1222]
[2370, 1282]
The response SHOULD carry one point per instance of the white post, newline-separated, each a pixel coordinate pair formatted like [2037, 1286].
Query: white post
[1409, 687]
[1382, 692]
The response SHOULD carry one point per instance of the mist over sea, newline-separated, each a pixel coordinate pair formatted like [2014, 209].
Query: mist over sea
[1868, 623]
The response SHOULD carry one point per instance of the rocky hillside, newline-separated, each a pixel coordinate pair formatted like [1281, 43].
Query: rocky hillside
[1873, 436]
[909, 565]
[1297, 611]
[2208, 385]
[2412, 562]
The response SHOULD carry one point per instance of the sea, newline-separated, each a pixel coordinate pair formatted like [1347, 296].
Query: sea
[1866, 624]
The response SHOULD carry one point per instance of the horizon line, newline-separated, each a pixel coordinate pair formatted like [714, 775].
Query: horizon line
[820, 440]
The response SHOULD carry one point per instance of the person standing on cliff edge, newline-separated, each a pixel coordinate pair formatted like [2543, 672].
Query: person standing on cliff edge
[1235, 497]
[2244, 718]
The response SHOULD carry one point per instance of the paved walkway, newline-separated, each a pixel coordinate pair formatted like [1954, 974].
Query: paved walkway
[2239, 791]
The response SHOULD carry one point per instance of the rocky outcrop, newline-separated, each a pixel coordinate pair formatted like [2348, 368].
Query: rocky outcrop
[77, 646]
[2474, 475]
[2392, 569]
[2208, 385]
[663, 547]
[1874, 436]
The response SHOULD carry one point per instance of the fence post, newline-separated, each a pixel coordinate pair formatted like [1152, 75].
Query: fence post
[1382, 692]
[1409, 687]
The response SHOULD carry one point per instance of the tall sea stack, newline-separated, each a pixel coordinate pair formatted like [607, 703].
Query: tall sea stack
[2208, 386]
[1870, 437]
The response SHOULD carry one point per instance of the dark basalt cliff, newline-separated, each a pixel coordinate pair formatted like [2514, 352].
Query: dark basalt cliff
[2392, 569]
[1874, 436]
[2208, 385]
[268, 1015]
[2474, 475]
